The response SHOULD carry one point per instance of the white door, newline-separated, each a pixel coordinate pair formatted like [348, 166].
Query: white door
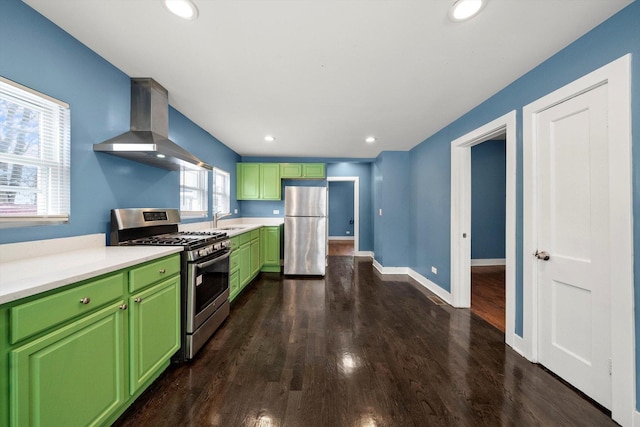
[572, 178]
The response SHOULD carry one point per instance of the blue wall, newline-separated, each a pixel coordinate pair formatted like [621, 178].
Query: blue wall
[391, 194]
[341, 209]
[38, 54]
[488, 199]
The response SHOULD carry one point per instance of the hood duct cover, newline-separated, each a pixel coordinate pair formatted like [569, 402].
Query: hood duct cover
[148, 140]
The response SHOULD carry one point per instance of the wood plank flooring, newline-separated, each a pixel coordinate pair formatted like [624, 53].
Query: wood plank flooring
[353, 349]
[340, 247]
[488, 298]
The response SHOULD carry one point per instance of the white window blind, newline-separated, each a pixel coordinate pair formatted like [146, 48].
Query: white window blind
[34, 157]
[221, 192]
[193, 193]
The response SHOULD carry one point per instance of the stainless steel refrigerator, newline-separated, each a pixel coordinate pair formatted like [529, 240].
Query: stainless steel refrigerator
[305, 230]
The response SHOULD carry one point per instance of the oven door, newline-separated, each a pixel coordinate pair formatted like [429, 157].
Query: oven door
[207, 289]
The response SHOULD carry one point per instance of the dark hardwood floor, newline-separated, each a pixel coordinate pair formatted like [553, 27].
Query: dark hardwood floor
[340, 247]
[355, 350]
[488, 298]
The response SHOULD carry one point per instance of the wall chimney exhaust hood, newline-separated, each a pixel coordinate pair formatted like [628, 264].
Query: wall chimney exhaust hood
[148, 140]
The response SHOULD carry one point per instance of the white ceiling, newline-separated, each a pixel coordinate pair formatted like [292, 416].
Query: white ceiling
[321, 75]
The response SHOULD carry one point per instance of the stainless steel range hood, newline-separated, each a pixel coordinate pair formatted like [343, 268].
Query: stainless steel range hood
[148, 140]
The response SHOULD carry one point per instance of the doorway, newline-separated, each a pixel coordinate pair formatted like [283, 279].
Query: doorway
[461, 237]
[343, 199]
[577, 242]
[488, 208]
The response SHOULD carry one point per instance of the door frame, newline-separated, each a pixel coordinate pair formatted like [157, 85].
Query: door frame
[356, 207]
[617, 76]
[461, 216]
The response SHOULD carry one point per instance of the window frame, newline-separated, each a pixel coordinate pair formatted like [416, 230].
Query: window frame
[53, 163]
[201, 188]
[225, 195]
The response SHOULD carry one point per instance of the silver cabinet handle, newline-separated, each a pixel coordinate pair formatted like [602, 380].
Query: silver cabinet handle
[85, 300]
[138, 300]
[123, 307]
[544, 256]
[162, 271]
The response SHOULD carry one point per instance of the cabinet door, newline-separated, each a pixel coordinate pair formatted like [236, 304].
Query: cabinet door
[75, 376]
[245, 264]
[271, 249]
[248, 181]
[290, 170]
[154, 325]
[255, 257]
[234, 285]
[270, 180]
[313, 170]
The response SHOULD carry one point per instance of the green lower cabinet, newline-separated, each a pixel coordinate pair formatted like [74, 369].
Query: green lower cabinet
[154, 330]
[270, 248]
[255, 257]
[74, 376]
[245, 264]
[234, 284]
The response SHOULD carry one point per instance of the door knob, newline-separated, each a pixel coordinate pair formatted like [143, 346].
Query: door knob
[544, 256]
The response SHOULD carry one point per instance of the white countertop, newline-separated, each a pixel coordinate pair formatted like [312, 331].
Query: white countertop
[30, 268]
[233, 226]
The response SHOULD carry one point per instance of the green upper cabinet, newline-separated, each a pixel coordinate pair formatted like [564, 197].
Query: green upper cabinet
[290, 170]
[313, 170]
[258, 181]
[302, 170]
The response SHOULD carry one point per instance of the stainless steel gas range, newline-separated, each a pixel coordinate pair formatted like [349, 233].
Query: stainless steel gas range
[204, 273]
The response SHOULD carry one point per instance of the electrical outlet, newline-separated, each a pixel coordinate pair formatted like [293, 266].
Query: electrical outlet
[379, 212]
[348, 232]
[434, 270]
[235, 211]
[276, 211]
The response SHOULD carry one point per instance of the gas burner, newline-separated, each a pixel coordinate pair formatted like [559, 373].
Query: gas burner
[204, 233]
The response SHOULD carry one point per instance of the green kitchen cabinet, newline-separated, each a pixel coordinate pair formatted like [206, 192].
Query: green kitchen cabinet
[81, 355]
[270, 181]
[302, 170]
[154, 325]
[245, 264]
[270, 248]
[248, 181]
[73, 376]
[313, 170]
[255, 257]
[258, 181]
[290, 170]
[234, 285]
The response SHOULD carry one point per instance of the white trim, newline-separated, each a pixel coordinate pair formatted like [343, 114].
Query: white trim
[34, 92]
[617, 76]
[389, 270]
[483, 262]
[636, 418]
[431, 286]
[341, 238]
[519, 345]
[356, 206]
[364, 254]
[461, 216]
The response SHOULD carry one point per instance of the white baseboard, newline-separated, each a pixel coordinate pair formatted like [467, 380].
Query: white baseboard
[480, 262]
[517, 343]
[636, 418]
[364, 253]
[341, 238]
[389, 270]
[431, 286]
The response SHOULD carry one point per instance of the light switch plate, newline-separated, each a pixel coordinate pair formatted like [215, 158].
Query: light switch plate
[276, 211]
[434, 270]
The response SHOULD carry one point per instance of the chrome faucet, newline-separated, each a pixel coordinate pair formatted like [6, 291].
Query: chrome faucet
[217, 216]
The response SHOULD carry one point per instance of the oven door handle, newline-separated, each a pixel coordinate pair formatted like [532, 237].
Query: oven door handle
[213, 261]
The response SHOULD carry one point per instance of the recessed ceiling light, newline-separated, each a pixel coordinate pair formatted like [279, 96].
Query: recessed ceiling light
[269, 138]
[370, 140]
[185, 9]
[462, 10]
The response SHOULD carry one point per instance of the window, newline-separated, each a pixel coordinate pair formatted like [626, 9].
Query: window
[193, 193]
[34, 157]
[221, 191]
